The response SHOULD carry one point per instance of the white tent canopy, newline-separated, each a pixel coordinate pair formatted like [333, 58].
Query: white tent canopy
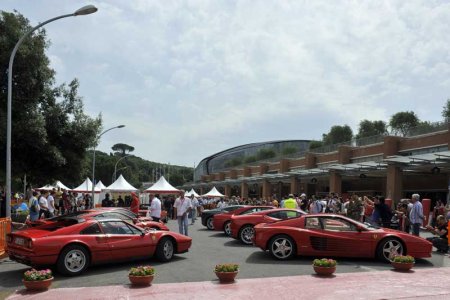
[213, 193]
[190, 193]
[162, 187]
[47, 187]
[100, 185]
[60, 185]
[120, 185]
[86, 187]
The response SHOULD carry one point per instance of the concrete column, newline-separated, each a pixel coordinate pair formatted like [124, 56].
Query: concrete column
[263, 168]
[228, 191]
[344, 154]
[295, 185]
[310, 160]
[244, 190]
[394, 184]
[266, 189]
[335, 183]
[284, 165]
[390, 145]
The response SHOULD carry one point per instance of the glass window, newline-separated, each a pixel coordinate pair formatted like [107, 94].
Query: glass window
[117, 227]
[313, 223]
[93, 229]
[335, 224]
[114, 215]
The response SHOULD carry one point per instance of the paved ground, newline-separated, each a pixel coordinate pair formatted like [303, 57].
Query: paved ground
[415, 284]
[208, 249]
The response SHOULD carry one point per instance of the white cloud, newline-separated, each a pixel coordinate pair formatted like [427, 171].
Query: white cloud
[190, 78]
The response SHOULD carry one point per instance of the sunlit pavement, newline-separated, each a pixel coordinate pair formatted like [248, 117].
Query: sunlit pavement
[415, 284]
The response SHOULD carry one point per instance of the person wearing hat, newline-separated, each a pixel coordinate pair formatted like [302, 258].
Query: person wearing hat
[290, 202]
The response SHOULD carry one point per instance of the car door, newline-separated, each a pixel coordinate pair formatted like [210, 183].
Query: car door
[337, 236]
[98, 243]
[126, 241]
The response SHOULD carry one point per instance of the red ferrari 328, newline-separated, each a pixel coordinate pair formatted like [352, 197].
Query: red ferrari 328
[242, 225]
[73, 243]
[222, 221]
[335, 235]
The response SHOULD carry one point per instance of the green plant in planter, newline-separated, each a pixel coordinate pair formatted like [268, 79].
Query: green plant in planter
[404, 259]
[142, 271]
[325, 263]
[226, 268]
[35, 275]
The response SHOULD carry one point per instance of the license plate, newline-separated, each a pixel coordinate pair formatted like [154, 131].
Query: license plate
[19, 241]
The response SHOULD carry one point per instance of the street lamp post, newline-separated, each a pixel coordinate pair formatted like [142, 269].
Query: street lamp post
[93, 158]
[85, 10]
[114, 177]
[115, 167]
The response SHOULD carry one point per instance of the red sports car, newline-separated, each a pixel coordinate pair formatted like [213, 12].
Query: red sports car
[222, 221]
[335, 235]
[242, 225]
[74, 243]
[110, 212]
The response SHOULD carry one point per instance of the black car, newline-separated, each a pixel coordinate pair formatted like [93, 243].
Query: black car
[207, 215]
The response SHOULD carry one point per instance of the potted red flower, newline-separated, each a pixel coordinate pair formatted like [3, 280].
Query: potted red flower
[324, 266]
[226, 272]
[403, 262]
[142, 275]
[37, 280]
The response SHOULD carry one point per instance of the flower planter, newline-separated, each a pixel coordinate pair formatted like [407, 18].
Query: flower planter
[141, 280]
[402, 266]
[37, 285]
[226, 277]
[324, 271]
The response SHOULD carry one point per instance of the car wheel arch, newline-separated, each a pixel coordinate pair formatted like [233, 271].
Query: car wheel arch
[243, 227]
[276, 235]
[77, 243]
[174, 241]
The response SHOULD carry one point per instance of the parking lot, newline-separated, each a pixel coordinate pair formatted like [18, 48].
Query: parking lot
[208, 249]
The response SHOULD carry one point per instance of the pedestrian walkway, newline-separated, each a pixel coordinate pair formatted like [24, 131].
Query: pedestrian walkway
[431, 283]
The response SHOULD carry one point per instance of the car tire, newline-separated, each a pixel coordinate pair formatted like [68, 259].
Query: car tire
[73, 260]
[165, 249]
[209, 223]
[388, 247]
[227, 228]
[282, 247]
[246, 234]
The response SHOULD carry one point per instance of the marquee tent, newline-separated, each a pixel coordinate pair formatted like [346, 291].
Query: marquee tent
[60, 185]
[162, 187]
[120, 185]
[190, 193]
[49, 187]
[86, 187]
[213, 193]
[100, 185]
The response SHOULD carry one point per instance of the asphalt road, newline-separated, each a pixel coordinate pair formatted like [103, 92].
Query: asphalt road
[208, 249]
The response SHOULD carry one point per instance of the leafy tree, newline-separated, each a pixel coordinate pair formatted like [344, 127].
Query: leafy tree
[315, 144]
[289, 150]
[250, 159]
[446, 110]
[338, 134]
[50, 131]
[265, 154]
[122, 148]
[402, 122]
[370, 128]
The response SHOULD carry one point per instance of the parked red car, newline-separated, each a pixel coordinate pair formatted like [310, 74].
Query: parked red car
[222, 221]
[108, 212]
[242, 225]
[324, 235]
[74, 243]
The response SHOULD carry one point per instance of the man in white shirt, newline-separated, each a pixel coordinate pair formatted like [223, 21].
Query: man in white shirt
[183, 206]
[155, 208]
[195, 204]
[43, 204]
[51, 204]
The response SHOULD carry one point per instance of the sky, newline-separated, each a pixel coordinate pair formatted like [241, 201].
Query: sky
[193, 78]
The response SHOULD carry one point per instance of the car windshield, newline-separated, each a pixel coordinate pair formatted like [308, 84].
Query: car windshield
[71, 215]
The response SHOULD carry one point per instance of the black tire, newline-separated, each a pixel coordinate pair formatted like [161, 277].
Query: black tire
[73, 260]
[209, 223]
[388, 247]
[165, 249]
[227, 228]
[246, 234]
[282, 247]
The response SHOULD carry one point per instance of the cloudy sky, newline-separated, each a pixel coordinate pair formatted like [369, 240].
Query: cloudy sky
[192, 78]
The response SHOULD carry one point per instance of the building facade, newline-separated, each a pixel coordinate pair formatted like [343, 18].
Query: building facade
[392, 166]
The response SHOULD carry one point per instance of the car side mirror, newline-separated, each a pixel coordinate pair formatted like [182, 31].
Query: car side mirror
[359, 228]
